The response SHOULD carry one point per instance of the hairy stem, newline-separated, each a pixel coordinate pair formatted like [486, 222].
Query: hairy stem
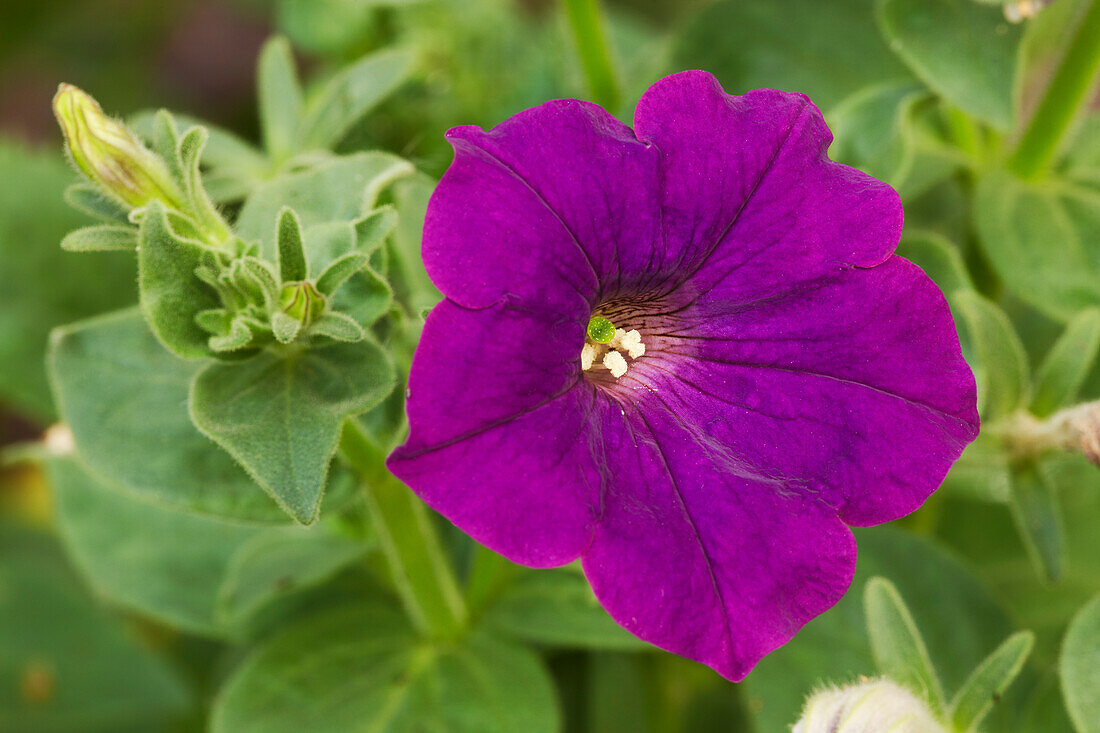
[421, 571]
[1075, 429]
[1067, 93]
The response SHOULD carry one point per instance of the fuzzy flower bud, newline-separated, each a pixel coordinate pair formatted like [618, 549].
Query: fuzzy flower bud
[302, 302]
[109, 154]
[871, 706]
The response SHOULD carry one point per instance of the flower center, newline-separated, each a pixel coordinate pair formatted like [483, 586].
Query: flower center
[606, 345]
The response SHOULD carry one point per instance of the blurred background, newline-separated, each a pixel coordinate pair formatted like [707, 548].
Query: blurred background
[479, 61]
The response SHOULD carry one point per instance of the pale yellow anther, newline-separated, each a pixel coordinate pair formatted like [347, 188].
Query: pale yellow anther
[615, 363]
[588, 356]
[611, 353]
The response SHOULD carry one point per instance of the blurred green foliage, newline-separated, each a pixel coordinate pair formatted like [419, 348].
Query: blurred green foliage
[199, 604]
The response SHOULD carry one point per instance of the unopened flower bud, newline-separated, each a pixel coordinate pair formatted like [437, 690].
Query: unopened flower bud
[110, 154]
[302, 302]
[871, 706]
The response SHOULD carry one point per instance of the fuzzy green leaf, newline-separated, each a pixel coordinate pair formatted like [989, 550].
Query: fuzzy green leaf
[989, 681]
[1066, 365]
[102, 238]
[280, 97]
[238, 337]
[125, 398]
[348, 96]
[1080, 668]
[339, 327]
[285, 328]
[170, 293]
[896, 642]
[369, 658]
[201, 207]
[371, 231]
[280, 416]
[963, 51]
[86, 197]
[281, 561]
[292, 256]
[156, 561]
[338, 272]
[337, 191]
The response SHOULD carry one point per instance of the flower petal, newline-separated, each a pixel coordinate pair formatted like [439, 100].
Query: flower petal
[499, 440]
[549, 196]
[746, 188]
[704, 560]
[852, 389]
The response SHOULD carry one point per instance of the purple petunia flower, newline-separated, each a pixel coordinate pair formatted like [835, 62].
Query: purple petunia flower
[684, 354]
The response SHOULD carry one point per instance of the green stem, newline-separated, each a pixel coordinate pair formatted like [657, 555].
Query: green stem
[1067, 93]
[586, 22]
[421, 571]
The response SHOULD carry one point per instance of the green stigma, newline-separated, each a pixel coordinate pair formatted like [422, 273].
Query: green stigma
[601, 330]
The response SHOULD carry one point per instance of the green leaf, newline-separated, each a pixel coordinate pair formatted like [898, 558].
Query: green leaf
[285, 328]
[897, 644]
[171, 295]
[1080, 668]
[280, 98]
[963, 51]
[1066, 365]
[960, 620]
[87, 198]
[939, 258]
[410, 280]
[292, 256]
[1038, 518]
[238, 337]
[280, 416]
[1042, 239]
[42, 285]
[125, 398]
[880, 130]
[339, 327]
[337, 191]
[989, 681]
[330, 27]
[277, 562]
[64, 664]
[982, 472]
[362, 668]
[338, 272]
[224, 149]
[347, 97]
[201, 208]
[102, 238]
[364, 296]
[826, 50]
[156, 561]
[999, 361]
[556, 607]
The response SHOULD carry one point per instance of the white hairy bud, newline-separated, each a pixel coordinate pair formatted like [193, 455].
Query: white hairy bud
[871, 706]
